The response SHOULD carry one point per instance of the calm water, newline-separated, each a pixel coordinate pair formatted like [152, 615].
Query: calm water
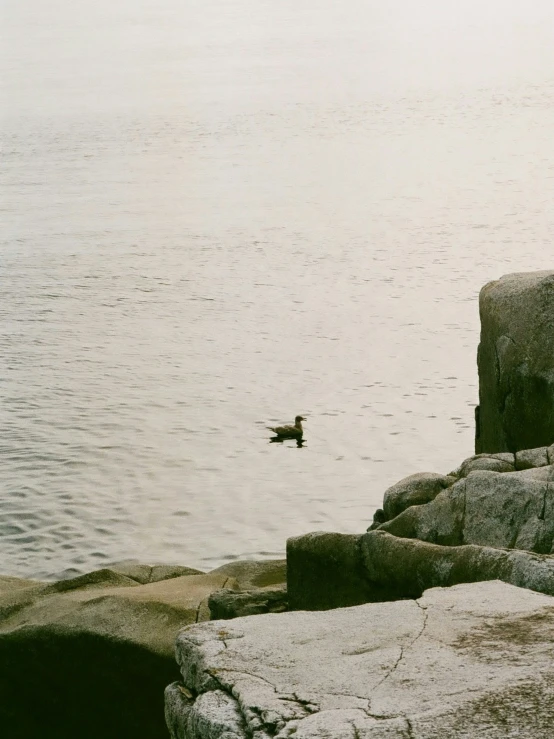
[217, 215]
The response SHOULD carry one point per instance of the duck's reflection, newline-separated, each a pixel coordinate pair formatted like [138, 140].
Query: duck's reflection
[279, 440]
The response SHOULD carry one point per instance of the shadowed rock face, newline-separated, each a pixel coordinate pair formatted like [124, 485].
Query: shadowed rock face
[90, 657]
[61, 683]
[516, 363]
[325, 570]
[389, 567]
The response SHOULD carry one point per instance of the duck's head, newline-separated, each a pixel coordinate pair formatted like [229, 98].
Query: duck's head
[298, 419]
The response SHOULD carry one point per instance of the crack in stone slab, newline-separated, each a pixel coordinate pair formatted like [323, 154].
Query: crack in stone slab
[463, 525]
[226, 688]
[543, 508]
[204, 601]
[362, 698]
[310, 706]
[270, 722]
[197, 612]
[403, 651]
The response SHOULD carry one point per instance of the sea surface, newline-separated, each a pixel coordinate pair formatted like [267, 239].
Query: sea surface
[217, 215]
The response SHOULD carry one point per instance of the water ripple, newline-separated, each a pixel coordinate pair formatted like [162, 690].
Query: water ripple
[290, 216]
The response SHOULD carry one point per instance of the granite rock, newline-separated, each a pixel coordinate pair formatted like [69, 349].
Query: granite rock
[405, 568]
[145, 574]
[383, 567]
[254, 574]
[226, 603]
[506, 510]
[516, 363]
[503, 462]
[467, 661]
[414, 490]
[100, 640]
[530, 458]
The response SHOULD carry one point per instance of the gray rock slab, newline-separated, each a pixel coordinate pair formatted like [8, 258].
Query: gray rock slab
[10, 584]
[404, 568]
[469, 661]
[212, 714]
[392, 567]
[146, 615]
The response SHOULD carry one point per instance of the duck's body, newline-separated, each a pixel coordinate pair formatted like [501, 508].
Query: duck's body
[289, 432]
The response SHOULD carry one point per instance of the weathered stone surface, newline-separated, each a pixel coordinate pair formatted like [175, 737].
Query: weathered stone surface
[212, 714]
[225, 604]
[529, 458]
[94, 653]
[149, 615]
[404, 568]
[516, 363]
[326, 571]
[414, 490]
[9, 584]
[145, 574]
[378, 518]
[250, 574]
[387, 567]
[491, 462]
[463, 662]
[508, 510]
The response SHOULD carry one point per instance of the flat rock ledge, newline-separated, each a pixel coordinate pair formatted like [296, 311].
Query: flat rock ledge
[474, 660]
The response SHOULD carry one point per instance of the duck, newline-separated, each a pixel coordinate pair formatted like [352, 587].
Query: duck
[289, 432]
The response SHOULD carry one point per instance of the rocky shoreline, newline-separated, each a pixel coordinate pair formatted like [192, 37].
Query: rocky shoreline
[251, 660]
[436, 622]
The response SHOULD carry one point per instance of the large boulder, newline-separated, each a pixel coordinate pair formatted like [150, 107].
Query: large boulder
[499, 500]
[505, 510]
[468, 661]
[414, 490]
[502, 462]
[516, 363]
[89, 657]
[530, 458]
